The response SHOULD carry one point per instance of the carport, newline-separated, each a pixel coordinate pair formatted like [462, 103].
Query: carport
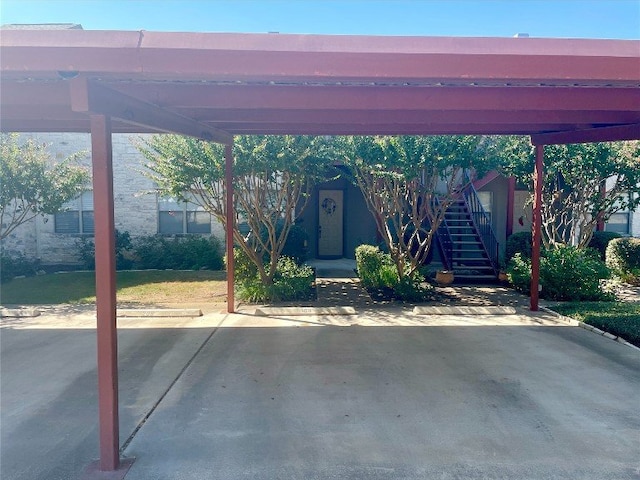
[213, 86]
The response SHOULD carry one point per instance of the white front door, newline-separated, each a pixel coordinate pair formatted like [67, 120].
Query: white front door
[330, 223]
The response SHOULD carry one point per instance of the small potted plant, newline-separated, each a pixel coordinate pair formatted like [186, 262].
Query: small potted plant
[502, 275]
[444, 277]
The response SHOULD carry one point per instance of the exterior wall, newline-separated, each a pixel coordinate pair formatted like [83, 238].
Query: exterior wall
[359, 226]
[135, 209]
[522, 213]
[635, 223]
[499, 188]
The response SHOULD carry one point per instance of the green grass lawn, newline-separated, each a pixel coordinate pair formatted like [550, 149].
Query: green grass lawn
[144, 287]
[618, 318]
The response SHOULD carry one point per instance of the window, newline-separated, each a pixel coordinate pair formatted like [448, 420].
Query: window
[175, 217]
[76, 216]
[486, 200]
[618, 222]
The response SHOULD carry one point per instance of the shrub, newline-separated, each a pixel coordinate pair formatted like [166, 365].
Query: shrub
[518, 243]
[178, 253]
[12, 266]
[519, 273]
[369, 264]
[600, 240]
[296, 245]
[87, 251]
[570, 273]
[379, 275]
[566, 273]
[290, 282]
[243, 268]
[623, 258]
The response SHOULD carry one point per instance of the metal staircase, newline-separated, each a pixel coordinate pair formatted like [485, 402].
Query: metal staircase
[467, 242]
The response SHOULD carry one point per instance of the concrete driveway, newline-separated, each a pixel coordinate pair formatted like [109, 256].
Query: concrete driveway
[383, 395]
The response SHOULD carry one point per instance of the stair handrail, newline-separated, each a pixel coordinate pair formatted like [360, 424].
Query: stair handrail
[444, 241]
[482, 224]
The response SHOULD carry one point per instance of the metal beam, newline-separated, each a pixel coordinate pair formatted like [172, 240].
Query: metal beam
[536, 234]
[101, 156]
[91, 97]
[601, 134]
[380, 97]
[230, 221]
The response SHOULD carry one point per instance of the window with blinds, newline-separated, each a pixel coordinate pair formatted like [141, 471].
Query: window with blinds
[76, 216]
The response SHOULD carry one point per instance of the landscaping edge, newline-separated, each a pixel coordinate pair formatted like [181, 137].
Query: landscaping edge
[591, 328]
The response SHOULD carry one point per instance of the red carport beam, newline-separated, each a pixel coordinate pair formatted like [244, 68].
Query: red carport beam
[536, 235]
[228, 171]
[101, 155]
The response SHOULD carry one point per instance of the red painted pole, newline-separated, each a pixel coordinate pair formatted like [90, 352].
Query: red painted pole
[228, 171]
[101, 155]
[511, 198]
[536, 234]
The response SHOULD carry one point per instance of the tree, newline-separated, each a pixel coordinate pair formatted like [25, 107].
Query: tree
[31, 184]
[273, 177]
[409, 182]
[583, 183]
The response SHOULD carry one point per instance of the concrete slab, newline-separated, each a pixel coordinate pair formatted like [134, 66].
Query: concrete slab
[19, 312]
[417, 397]
[49, 389]
[437, 310]
[303, 311]
[159, 312]
[520, 401]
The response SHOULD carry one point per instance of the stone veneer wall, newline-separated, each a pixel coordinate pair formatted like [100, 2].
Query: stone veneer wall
[136, 210]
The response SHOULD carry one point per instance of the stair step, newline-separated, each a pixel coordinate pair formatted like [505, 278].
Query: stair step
[472, 267]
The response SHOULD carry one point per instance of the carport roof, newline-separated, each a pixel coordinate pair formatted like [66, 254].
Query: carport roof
[215, 85]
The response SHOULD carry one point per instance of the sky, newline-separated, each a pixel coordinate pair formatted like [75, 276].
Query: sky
[483, 18]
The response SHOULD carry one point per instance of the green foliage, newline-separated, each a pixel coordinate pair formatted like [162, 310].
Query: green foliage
[272, 179]
[12, 266]
[519, 273]
[566, 273]
[31, 184]
[290, 280]
[379, 274]
[244, 269]
[570, 273]
[86, 251]
[178, 253]
[518, 243]
[408, 182]
[373, 267]
[572, 196]
[600, 240]
[623, 258]
[618, 318]
[296, 244]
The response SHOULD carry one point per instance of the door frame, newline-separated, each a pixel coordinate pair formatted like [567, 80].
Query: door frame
[344, 211]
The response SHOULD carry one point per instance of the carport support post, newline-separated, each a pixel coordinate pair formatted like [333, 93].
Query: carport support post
[536, 235]
[228, 174]
[101, 156]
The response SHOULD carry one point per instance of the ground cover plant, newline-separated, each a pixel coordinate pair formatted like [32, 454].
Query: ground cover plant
[618, 318]
[137, 287]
